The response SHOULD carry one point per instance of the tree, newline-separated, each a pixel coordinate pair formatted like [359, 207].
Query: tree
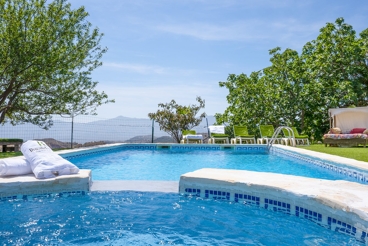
[244, 90]
[336, 63]
[297, 90]
[47, 55]
[174, 118]
[271, 96]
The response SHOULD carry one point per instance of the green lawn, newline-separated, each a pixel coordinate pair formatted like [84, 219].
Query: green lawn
[10, 154]
[357, 153]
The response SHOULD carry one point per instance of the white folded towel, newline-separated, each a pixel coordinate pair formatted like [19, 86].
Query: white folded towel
[14, 166]
[44, 162]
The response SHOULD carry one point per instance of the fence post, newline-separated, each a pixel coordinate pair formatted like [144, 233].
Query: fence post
[153, 130]
[71, 137]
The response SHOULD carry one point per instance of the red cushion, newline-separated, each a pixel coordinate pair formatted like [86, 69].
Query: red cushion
[357, 130]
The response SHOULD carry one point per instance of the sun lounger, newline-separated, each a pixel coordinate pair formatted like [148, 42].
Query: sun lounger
[190, 136]
[241, 135]
[217, 134]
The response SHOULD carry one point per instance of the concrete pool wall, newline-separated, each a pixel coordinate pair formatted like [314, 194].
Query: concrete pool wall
[337, 205]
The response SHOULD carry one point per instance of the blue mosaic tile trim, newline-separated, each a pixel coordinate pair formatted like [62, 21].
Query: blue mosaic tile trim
[193, 191]
[144, 147]
[277, 206]
[69, 156]
[248, 199]
[364, 236]
[217, 195]
[308, 214]
[60, 194]
[7, 198]
[284, 207]
[262, 149]
[358, 176]
[342, 227]
[199, 147]
[251, 149]
[43, 195]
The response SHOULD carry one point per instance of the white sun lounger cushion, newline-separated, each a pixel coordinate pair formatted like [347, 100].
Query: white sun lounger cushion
[44, 162]
[193, 137]
[14, 166]
[217, 129]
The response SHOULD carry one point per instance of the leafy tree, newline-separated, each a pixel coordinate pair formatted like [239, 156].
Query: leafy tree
[297, 90]
[47, 54]
[244, 90]
[336, 64]
[286, 79]
[270, 96]
[174, 118]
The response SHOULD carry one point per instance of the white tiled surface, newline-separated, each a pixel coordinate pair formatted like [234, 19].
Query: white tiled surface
[336, 201]
[29, 185]
[136, 185]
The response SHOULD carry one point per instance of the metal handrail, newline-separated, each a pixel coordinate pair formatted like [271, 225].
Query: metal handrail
[277, 132]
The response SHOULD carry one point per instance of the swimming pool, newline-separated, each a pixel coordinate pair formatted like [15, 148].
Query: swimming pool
[117, 234]
[169, 164]
[134, 218]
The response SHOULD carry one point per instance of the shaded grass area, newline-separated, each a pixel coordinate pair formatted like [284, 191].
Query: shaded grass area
[10, 154]
[358, 153]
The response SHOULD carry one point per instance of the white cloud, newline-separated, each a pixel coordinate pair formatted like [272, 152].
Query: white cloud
[154, 69]
[249, 30]
[137, 68]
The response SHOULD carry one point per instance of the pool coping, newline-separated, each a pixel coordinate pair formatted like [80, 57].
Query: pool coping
[337, 205]
[28, 186]
[362, 165]
[136, 185]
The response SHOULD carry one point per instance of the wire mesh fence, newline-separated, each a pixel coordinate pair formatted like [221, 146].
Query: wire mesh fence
[88, 130]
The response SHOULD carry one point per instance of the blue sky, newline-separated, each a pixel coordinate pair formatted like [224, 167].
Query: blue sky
[161, 50]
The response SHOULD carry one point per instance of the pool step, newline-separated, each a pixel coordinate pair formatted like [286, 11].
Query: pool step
[26, 186]
[338, 205]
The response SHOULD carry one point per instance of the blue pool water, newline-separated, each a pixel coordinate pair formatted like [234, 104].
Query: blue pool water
[170, 164]
[133, 218]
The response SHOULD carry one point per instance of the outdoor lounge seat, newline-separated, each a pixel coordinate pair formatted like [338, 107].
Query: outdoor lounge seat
[190, 136]
[242, 136]
[267, 132]
[303, 139]
[353, 138]
[289, 137]
[217, 134]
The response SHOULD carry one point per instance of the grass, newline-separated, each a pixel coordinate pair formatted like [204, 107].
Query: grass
[357, 153]
[10, 154]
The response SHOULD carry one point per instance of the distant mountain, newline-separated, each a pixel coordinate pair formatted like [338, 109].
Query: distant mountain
[119, 129]
[148, 139]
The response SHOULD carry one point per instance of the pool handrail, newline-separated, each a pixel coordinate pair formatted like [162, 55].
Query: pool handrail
[291, 136]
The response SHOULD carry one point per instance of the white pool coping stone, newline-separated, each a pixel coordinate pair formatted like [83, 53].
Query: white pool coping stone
[19, 187]
[362, 165]
[136, 185]
[342, 205]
